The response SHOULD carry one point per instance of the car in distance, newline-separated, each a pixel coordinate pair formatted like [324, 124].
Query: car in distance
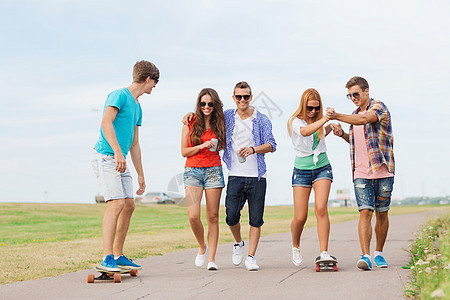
[157, 198]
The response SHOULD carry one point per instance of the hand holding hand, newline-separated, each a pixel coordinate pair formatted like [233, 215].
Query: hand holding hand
[337, 130]
[331, 113]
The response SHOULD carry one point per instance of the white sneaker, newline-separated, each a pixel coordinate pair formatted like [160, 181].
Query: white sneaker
[325, 256]
[212, 266]
[200, 258]
[250, 263]
[297, 258]
[238, 253]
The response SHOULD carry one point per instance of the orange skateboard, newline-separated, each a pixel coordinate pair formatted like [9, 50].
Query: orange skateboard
[108, 275]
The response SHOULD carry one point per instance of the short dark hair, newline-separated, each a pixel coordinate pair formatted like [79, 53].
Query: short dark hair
[357, 80]
[143, 69]
[242, 85]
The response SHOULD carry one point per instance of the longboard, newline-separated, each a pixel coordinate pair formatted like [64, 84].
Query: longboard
[326, 265]
[108, 275]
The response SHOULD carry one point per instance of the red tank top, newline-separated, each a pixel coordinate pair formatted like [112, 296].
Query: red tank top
[204, 158]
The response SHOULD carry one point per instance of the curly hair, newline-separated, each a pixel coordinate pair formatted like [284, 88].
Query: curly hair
[217, 120]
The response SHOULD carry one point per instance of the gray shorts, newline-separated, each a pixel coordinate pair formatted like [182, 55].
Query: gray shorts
[114, 185]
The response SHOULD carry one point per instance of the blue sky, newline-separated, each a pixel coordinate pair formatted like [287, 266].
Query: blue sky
[60, 59]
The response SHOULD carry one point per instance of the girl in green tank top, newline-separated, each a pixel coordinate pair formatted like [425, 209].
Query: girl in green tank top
[312, 169]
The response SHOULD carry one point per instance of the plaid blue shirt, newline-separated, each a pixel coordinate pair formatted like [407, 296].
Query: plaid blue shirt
[379, 138]
[262, 134]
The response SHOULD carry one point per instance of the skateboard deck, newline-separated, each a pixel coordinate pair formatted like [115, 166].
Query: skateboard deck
[326, 265]
[108, 275]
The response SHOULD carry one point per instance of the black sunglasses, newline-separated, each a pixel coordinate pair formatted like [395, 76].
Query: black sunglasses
[354, 95]
[210, 104]
[239, 97]
[311, 108]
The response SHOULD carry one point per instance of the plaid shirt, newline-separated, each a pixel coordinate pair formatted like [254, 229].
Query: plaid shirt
[379, 138]
[262, 134]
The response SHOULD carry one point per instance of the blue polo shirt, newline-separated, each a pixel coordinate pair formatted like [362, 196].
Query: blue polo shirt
[128, 116]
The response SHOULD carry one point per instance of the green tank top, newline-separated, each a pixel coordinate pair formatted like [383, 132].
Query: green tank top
[306, 163]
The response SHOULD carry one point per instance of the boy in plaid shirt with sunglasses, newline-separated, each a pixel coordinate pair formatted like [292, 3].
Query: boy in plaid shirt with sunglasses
[372, 156]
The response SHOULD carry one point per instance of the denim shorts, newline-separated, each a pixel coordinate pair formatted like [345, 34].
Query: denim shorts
[240, 190]
[369, 191]
[306, 178]
[114, 185]
[207, 178]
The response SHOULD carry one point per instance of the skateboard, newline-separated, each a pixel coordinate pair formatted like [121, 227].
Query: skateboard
[326, 265]
[108, 275]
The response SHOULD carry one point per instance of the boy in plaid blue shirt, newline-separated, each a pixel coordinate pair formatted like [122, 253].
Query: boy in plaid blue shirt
[373, 166]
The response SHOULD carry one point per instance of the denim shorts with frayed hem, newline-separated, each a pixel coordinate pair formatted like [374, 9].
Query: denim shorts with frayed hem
[207, 178]
[114, 185]
[243, 189]
[306, 178]
[369, 191]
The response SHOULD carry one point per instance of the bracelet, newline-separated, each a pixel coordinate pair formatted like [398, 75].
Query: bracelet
[254, 151]
[342, 133]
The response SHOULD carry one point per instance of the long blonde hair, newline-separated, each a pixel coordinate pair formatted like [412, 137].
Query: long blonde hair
[309, 94]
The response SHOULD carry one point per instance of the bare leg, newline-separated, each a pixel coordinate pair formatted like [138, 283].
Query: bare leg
[212, 217]
[110, 224]
[365, 230]
[236, 231]
[193, 200]
[123, 223]
[253, 239]
[301, 197]
[321, 192]
[381, 229]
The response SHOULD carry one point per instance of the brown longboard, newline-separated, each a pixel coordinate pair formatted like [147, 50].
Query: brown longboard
[326, 265]
[108, 275]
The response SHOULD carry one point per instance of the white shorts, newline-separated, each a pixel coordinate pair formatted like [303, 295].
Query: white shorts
[114, 185]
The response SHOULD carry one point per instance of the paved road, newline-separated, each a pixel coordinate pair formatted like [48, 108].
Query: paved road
[174, 276]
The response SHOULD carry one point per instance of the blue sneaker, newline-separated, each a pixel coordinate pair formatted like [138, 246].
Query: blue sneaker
[364, 263]
[109, 264]
[380, 262]
[127, 264]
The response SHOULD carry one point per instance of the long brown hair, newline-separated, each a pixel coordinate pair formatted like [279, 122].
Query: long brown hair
[309, 94]
[217, 120]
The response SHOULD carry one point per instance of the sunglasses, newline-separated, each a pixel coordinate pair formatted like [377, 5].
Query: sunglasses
[311, 108]
[210, 104]
[354, 95]
[239, 97]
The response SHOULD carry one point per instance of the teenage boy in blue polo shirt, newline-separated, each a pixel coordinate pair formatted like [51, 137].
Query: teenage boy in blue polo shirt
[119, 134]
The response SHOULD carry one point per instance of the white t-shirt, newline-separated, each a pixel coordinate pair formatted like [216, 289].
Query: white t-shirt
[303, 144]
[243, 137]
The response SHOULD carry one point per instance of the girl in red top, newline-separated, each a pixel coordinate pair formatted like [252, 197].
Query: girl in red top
[201, 141]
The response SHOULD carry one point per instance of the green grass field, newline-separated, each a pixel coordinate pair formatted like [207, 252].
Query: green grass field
[43, 240]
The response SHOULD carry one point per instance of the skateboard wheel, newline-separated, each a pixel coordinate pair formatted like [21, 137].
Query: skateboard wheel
[90, 278]
[117, 278]
[335, 268]
[317, 268]
[133, 272]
